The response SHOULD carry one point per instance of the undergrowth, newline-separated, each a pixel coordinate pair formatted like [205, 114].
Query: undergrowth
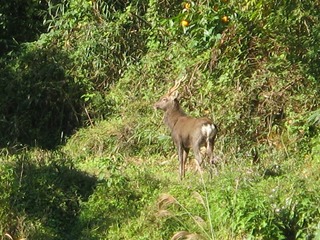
[85, 156]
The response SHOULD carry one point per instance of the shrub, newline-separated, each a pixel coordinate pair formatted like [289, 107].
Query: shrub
[41, 102]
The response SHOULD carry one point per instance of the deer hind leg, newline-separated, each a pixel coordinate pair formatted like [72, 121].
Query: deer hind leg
[209, 132]
[197, 154]
[210, 156]
[210, 145]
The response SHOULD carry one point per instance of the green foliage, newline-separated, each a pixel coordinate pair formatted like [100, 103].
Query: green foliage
[7, 189]
[246, 204]
[42, 193]
[40, 103]
[102, 39]
[275, 211]
[20, 21]
[251, 66]
[115, 201]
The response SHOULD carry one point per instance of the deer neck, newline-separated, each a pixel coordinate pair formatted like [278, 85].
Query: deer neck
[173, 114]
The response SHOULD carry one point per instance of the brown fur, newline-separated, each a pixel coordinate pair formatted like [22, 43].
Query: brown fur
[187, 132]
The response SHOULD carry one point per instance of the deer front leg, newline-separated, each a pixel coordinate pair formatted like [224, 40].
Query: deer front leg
[181, 161]
[184, 156]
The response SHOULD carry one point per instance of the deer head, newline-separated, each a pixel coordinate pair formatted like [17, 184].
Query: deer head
[170, 99]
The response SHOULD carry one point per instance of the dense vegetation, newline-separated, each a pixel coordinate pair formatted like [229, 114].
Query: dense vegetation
[85, 156]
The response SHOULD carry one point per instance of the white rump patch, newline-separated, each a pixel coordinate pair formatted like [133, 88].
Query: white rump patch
[208, 130]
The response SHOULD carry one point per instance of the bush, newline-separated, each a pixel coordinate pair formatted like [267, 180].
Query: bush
[41, 103]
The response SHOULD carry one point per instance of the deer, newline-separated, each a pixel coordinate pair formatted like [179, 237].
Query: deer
[187, 132]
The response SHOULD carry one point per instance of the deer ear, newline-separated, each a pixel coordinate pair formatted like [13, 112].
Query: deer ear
[175, 95]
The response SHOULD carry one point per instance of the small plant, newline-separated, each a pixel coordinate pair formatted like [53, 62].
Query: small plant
[167, 202]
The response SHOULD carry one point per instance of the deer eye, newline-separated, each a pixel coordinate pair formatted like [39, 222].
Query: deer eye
[164, 99]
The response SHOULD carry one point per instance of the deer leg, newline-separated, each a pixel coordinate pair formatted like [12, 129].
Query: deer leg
[211, 160]
[210, 144]
[181, 161]
[185, 156]
[197, 154]
[196, 150]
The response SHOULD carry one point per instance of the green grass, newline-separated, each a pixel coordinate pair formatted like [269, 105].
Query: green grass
[105, 195]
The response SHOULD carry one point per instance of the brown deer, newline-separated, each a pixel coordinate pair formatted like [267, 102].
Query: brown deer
[187, 132]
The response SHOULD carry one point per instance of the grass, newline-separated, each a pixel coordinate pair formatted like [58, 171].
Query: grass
[242, 199]
[134, 197]
[119, 179]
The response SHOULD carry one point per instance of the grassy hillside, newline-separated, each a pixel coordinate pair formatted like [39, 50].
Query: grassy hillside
[85, 156]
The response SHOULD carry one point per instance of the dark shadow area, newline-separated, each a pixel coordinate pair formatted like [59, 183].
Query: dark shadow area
[40, 103]
[273, 171]
[48, 194]
[21, 21]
